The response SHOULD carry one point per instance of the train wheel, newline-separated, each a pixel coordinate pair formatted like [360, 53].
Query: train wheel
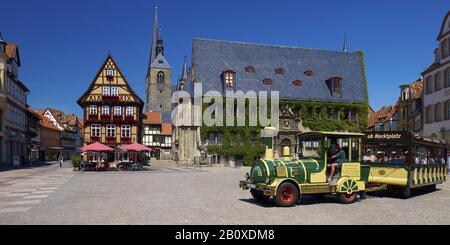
[405, 193]
[346, 198]
[287, 195]
[259, 195]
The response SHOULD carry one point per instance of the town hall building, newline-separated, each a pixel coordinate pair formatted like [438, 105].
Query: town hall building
[319, 90]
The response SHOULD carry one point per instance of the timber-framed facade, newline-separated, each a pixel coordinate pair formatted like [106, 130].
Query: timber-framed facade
[112, 111]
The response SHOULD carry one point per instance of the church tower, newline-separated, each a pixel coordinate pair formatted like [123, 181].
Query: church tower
[158, 81]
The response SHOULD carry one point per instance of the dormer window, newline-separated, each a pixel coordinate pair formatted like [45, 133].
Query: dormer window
[267, 82]
[309, 73]
[335, 85]
[229, 78]
[279, 71]
[250, 69]
[297, 83]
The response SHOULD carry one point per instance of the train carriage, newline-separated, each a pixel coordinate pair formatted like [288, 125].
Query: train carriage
[405, 161]
[288, 178]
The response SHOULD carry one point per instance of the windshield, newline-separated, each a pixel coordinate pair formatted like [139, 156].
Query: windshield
[310, 147]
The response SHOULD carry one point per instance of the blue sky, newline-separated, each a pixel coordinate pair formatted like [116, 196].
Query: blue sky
[63, 43]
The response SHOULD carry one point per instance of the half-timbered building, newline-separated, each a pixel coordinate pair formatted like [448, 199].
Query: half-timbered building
[112, 111]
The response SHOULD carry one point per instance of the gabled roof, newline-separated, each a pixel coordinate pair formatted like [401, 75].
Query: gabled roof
[133, 93]
[68, 122]
[152, 118]
[46, 123]
[160, 63]
[441, 31]
[212, 57]
[166, 129]
[379, 116]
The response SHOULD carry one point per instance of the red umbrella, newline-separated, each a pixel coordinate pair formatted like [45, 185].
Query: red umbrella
[135, 147]
[96, 147]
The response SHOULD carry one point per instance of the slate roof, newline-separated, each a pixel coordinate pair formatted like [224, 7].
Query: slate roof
[160, 63]
[212, 57]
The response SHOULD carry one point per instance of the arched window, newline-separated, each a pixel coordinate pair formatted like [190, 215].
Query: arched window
[160, 78]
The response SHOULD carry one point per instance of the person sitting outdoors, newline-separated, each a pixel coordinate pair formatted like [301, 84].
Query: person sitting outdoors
[430, 160]
[380, 157]
[369, 157]
[337, 160]
[395, 158]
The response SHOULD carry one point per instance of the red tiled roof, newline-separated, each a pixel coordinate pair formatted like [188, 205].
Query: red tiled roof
[40, 112]
[152, 118]
[46, 123]
[379, 116]
[166, 129]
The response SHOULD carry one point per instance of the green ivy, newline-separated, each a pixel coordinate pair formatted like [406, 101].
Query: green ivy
[321, 121]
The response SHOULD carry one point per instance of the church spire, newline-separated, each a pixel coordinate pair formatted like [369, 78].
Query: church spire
[345, 48]
[184, 72]
[157, 43]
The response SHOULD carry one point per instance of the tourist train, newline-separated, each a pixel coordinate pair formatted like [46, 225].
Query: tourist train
[399, 161]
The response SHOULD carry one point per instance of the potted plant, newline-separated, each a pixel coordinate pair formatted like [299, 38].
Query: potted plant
[76, 160]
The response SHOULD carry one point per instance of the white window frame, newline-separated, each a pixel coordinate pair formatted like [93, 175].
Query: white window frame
[93, 110]
[117, 111]
[115, 91]
[129, 111]
[106, 109]
[125, 131]
[110, 72]
[110, 130]
[96, 130]
[106, 91]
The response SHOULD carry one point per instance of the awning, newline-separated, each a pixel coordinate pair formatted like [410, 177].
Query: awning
[96, 147]
[135, 147]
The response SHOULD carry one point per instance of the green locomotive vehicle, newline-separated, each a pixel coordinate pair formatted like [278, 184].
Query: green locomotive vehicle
[403, 161]
[288, 178]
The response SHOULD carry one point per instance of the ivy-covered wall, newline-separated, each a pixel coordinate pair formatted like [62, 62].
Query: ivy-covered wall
[312, 118]
[315, 115]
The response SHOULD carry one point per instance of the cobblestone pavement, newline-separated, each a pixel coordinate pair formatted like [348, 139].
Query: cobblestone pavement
[22, 189]
[167, 195]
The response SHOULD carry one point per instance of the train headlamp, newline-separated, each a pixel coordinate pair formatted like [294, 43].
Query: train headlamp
[268, 180]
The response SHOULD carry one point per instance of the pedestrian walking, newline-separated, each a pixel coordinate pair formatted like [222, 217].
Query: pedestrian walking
[60, 160]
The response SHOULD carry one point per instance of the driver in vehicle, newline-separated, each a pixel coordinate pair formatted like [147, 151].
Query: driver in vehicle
[337, 159]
